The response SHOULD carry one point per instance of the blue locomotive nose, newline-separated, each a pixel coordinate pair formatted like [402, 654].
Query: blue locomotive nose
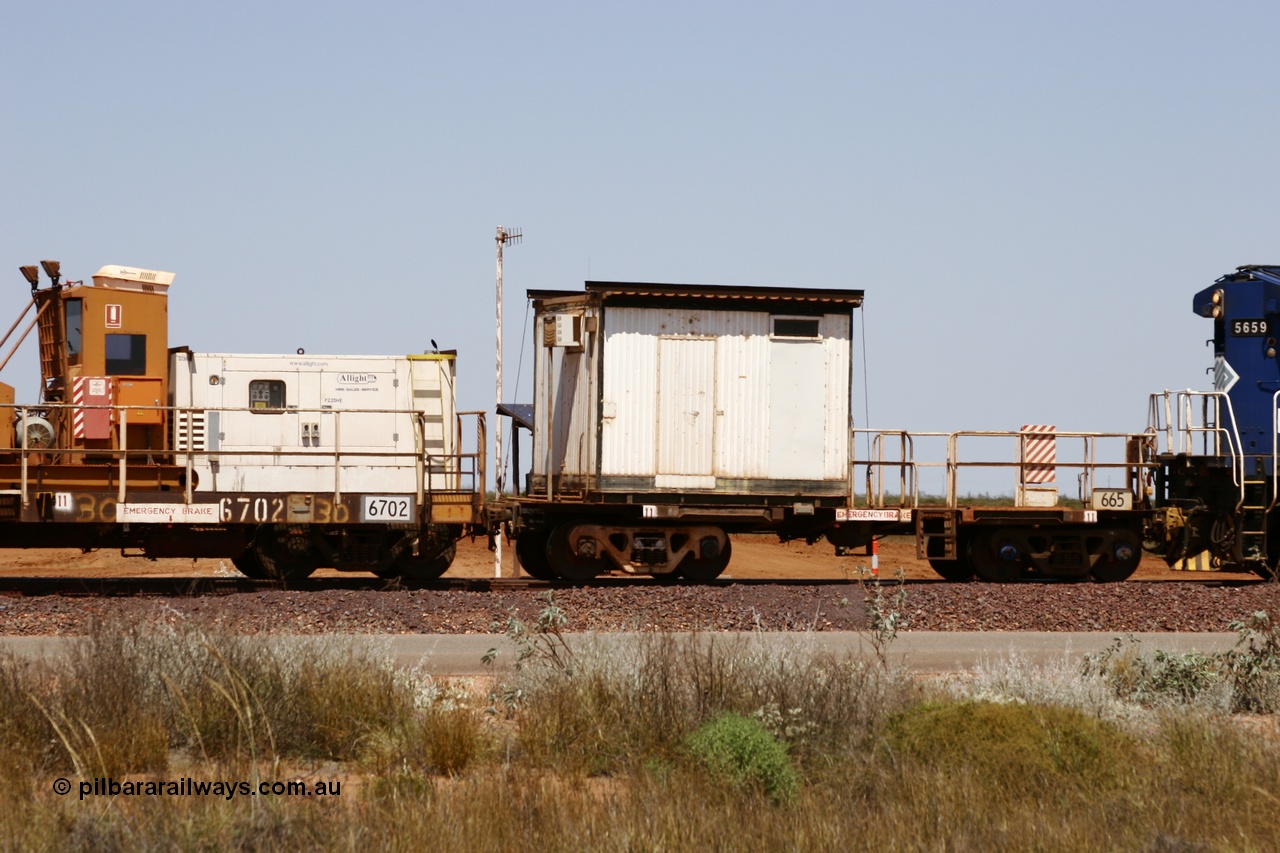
[1245, 309]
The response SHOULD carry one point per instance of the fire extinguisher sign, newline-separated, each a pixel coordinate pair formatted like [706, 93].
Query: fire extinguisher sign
[115, 315]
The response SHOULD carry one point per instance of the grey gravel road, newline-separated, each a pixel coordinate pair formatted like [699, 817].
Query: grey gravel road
[919, 651]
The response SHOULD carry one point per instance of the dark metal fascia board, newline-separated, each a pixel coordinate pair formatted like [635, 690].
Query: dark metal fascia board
[763, 298]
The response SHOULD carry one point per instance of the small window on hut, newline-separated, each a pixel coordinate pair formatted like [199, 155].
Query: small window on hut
[266, 394]
[126, 355]
[74, 333]
[795, 327]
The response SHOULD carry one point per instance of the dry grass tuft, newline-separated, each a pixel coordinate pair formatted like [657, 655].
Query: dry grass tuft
[598, 751]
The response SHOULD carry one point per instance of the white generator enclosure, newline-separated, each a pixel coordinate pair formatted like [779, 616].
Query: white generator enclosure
[664, 389]
[326, 424]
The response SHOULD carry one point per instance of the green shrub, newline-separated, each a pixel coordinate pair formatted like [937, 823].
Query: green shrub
[743, 751]
[1038, 748]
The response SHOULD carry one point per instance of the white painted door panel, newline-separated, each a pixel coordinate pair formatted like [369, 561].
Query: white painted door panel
[797, 409]
[685, 416]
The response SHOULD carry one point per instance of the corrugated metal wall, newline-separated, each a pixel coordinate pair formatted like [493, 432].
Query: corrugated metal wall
[564, 384]
[631, 400]
[685, 398]
[838, 328]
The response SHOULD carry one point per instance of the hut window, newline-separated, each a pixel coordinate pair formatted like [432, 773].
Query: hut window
[795, 327]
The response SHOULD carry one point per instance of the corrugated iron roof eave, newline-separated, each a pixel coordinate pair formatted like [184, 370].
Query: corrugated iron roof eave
[612, 290]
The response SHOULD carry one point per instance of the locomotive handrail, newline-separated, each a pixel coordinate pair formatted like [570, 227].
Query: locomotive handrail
[1179, 432]
[1185, 428]
[1275, 449]
[909, 467]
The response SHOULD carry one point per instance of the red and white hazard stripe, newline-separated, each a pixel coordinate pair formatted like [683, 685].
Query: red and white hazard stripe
[1039, 453]
[91, 391]
[77, 414]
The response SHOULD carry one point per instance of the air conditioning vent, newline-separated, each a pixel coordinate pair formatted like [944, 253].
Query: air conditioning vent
[562, 330]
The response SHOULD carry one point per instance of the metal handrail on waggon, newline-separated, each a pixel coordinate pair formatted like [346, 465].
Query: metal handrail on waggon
[908, 467]
[459, 466]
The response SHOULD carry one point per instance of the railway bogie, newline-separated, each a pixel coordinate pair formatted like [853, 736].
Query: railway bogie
[579, 543]
[580, 549]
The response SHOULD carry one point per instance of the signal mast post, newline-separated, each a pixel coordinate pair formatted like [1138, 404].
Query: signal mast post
[505, 235]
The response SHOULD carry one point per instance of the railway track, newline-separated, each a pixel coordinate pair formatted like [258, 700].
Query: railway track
[216, 586]
[367, 605]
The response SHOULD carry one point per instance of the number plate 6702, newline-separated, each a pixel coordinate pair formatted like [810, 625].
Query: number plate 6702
[386, 508]
[1112, 499]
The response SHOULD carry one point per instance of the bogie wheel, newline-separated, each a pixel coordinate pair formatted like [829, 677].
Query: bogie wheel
[702, 569]
[531, 549]
[249, 565]
[566, 562]
[427, 566]
[271, 549]
[1121, 560]
[956, 571]
[994, 558]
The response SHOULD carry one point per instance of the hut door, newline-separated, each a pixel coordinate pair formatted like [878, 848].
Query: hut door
[797, 409]
[686, 405]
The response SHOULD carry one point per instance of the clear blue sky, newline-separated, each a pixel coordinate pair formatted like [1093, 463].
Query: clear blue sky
[1029, 193]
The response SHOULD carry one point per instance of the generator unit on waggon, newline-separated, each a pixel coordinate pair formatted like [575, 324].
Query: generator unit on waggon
[667, 416]
[281, 463]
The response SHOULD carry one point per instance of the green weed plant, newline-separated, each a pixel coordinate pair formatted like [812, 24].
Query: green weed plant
[742, 751]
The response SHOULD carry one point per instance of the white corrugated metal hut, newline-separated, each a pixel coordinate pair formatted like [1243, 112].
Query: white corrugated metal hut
[663, 388]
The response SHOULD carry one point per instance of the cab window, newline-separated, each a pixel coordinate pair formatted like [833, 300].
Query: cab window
[126, 355]
[74, 335]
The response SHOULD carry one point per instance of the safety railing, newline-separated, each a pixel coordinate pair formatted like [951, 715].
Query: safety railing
[468, 469]
[1185, 419]
[894, 468]
[436, 474]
